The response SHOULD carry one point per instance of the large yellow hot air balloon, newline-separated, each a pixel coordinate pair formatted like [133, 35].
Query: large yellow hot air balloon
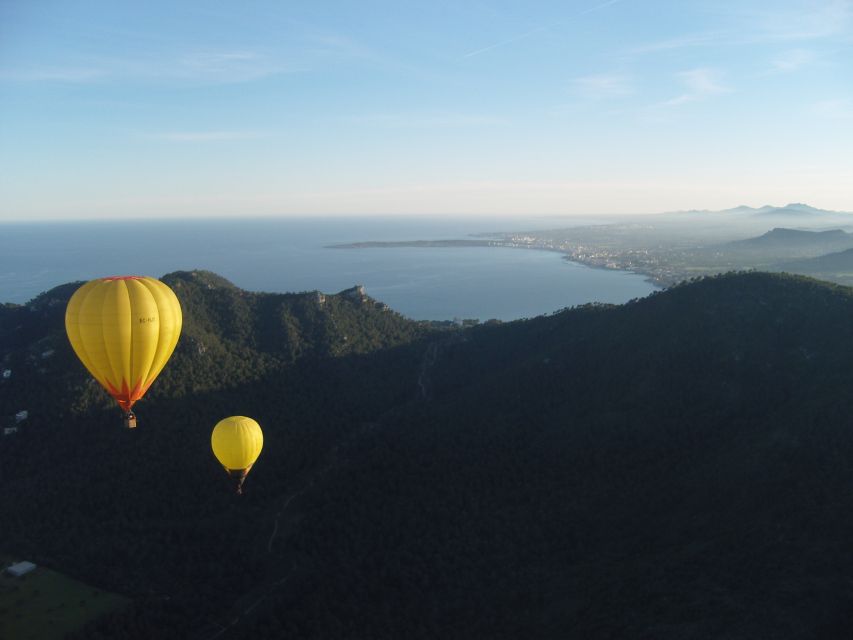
[237, 442]
[124, 329]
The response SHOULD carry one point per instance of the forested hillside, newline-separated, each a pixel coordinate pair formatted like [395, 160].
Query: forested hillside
[676, 467]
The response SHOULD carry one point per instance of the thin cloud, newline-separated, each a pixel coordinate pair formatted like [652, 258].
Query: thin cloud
[604, 86]
[203, 136]
[793, 60]
[835, 109]
[204, 67]
[222, 67]
[815, 21]
[704, 39]
[422, 120]
[54, 74]
[333, 45]
[599, 7]
[700, 84]
[534, 31]
[503, 43]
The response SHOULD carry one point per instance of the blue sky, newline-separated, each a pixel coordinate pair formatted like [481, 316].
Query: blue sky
[119, 109]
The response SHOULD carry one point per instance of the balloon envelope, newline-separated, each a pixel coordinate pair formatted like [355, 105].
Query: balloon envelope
[237, 442]
[124, 329]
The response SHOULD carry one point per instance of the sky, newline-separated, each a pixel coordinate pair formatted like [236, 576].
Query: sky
[179, 109]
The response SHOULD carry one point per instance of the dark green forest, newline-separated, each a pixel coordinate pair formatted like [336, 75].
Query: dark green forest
[680, 466]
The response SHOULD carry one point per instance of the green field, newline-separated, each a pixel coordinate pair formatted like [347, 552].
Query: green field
[44, 604]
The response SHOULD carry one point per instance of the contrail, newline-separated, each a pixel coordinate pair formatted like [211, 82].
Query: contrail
[504, 42]
[527, 34]
[599, 6]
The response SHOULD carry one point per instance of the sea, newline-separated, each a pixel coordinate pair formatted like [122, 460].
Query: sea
[292, 254]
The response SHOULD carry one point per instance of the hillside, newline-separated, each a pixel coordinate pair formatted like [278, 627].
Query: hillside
[837, 267]
[777, 245]
[796, 239]
[676, 467]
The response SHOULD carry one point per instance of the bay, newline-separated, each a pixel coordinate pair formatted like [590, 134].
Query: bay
[291, 254]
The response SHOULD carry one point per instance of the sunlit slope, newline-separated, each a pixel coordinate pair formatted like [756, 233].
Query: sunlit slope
[230, 336]
[675, 467]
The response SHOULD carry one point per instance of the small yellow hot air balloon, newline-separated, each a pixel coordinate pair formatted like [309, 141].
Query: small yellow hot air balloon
[124, 329]
[237, 442]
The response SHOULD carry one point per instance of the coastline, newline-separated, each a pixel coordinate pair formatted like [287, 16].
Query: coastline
[651, 277]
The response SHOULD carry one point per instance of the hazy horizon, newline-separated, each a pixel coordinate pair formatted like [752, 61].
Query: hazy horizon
[596, 107]
[521, 219]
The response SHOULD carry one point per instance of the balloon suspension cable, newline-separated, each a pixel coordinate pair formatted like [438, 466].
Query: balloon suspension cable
[239, 477]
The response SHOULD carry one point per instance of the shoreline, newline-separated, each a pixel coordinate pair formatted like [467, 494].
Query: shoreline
[650, 276]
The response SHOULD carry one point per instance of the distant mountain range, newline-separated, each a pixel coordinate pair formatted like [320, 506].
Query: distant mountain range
[789, 210]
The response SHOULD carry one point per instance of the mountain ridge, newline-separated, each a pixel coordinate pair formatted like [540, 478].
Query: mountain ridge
[790, 209]
[794, 239]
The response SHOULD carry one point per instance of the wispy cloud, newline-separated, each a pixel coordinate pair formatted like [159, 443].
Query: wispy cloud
[426, 120]
[536, 30]
[203, 67]
[597, 7]
[604, 86]
[70, 75]
[835, 109]
[503, 43]
[337, 46]
[700, 84]
[703, 39]
[219, 66]
[793, 60]
[811, 21]
[203, 136]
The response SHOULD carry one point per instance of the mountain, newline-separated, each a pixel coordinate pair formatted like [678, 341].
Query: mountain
[792, 209]
[794, 238]
[675, 467]
[837, 266]
[778, 246]
[753, 210]
[792, 242]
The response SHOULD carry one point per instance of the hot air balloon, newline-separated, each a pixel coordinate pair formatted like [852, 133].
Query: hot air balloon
[124, 329]
[237, 442]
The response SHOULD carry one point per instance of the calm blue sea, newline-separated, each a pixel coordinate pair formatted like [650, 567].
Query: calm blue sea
[289, 255]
